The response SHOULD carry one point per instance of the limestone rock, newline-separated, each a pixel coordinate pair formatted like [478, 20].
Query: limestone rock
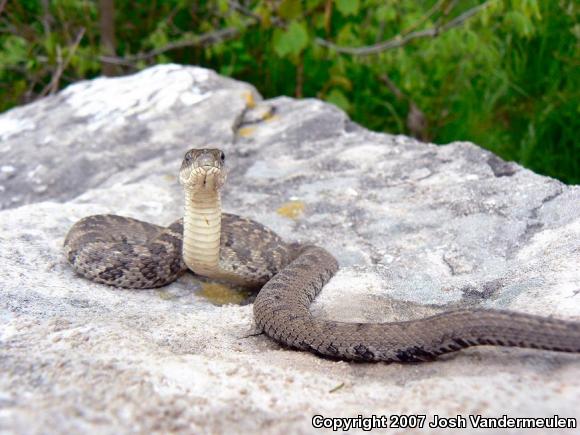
[417, 228]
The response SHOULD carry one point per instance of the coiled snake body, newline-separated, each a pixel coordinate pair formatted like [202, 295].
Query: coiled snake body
[128, 253]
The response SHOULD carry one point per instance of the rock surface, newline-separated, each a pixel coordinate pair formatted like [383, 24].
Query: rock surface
[417, 228]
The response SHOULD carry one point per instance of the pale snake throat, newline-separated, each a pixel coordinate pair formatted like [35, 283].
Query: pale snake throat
[125, 252]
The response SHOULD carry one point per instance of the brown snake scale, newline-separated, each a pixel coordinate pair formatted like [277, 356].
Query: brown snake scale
[128, 253]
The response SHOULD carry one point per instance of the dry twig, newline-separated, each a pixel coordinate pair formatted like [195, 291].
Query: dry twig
[52, 87]
[424, 18]
[416, 120]
[400, 40]
[201, 40]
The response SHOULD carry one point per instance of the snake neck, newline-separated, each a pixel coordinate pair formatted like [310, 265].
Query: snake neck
[201, 231]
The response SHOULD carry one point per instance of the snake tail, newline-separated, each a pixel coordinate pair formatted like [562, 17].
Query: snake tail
[284, 314]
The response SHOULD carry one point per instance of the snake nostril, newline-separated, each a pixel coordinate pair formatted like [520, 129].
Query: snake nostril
[205, 160]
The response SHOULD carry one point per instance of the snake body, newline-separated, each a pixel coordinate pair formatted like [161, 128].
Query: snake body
[129, 253]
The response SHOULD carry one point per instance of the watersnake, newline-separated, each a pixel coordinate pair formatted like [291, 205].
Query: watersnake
[129, 253]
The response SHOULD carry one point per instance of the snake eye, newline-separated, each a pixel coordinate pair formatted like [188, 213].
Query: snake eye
[223, 157]
[188, 156]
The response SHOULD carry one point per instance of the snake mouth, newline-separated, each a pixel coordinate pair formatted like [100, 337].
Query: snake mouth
[206, 160]
[203, 169]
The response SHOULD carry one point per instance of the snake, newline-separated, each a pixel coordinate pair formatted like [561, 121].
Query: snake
[129, 253]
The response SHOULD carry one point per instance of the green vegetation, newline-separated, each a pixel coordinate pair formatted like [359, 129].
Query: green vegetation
[501, 73]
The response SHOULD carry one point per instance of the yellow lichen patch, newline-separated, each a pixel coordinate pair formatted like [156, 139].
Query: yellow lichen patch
[221, 294]
[246, 131]
[250, 101]
[292, 209]
[165, 295]
[270, 117]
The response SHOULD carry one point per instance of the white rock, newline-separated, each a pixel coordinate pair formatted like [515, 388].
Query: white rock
[433, 228]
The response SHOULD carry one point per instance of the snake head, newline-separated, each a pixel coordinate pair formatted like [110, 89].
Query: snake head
[203, 169]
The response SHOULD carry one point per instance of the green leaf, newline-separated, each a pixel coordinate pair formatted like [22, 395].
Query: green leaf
[223, 6]
[521, 24]
[341, 81]
[347, 7]
[265, 15]
[346, 36]
[386, 13]
[290, 9]
[158, 38]
[337, 98]
[313, 4]
[85, 60]
[292, 41]
[13, 51]
[226, 70]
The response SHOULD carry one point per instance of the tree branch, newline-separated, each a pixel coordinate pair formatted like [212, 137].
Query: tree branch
[399, 40]
[393, 87]
[425, 17]
[2, 5]
[52, 87]
[107, 30]
[416, 120]
[202, 40]
[244, 10]
[46, 17]
[248, 13]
